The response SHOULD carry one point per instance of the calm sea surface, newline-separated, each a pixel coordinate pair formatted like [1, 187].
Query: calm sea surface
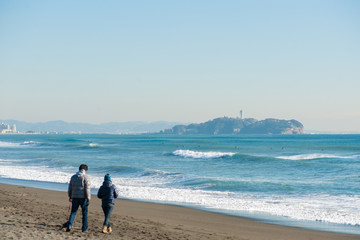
[310, 181]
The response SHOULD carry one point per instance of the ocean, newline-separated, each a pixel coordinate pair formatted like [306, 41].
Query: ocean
[309, 181]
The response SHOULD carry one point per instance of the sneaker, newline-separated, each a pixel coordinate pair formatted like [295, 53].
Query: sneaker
[86, 231]
[104, 230]
[65, 225]
[68, 229]
[109, 229]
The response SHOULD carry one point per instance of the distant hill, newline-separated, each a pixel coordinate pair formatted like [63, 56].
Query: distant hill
[227, 125]
[113, 127]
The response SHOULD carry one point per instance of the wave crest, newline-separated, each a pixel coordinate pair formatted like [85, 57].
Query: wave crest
[16, 144]
[201, 155]
[312, 156]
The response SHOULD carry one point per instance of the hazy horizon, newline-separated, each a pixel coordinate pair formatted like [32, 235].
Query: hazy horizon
[181, 61]
[166, 125]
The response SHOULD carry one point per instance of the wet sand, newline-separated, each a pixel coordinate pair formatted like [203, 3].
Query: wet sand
[31, 213]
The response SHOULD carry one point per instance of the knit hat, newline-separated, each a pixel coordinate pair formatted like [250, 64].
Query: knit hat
[107, 177]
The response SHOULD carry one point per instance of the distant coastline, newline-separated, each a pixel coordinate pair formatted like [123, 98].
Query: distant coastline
[229, 126]
[62, 127]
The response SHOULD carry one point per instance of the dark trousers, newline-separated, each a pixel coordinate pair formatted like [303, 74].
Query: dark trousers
[76, 203]
[107, 208]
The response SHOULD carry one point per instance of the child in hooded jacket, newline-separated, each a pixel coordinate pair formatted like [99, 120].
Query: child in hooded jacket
[107, 193]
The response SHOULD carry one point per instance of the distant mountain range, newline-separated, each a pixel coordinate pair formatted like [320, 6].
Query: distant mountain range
[227, 125]
[113, 127]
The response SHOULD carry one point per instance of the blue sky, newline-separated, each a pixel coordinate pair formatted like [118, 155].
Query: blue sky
[187, 61]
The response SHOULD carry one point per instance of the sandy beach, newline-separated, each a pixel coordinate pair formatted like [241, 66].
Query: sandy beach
[30, 213]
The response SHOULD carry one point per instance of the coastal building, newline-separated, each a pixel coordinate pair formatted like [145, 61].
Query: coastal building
[5, 128]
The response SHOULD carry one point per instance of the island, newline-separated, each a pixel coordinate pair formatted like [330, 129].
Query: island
[227, 125]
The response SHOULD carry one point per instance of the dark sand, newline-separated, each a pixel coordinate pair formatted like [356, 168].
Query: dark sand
[30, 213]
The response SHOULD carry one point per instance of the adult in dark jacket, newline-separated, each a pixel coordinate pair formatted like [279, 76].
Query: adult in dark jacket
[79, 195]
[107, 193]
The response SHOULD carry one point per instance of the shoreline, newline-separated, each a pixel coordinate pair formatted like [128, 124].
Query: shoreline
[257, 217]
[34, 213]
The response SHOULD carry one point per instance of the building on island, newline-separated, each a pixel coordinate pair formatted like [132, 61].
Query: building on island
[5, 128]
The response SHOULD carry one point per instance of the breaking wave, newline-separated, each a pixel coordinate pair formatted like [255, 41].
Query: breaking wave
[202, 155]
[312, 156]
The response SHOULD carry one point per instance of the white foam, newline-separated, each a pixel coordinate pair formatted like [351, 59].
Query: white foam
[9, 144]
[202, 155]
[15, 145]
[10, 160]
[30, 142]
[43, 173]
[312, 156]
[34, 173]
[94, 145]
[325, 208]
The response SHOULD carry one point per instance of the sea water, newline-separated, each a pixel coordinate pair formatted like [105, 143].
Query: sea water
[310, 181]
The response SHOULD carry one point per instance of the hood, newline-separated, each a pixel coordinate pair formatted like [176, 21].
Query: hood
[81, 172]
[107, 183]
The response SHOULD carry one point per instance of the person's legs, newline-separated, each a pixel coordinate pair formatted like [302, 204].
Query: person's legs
[74, 207]
[111, 208]
[104, 208]
[107, 208]
[84, 208]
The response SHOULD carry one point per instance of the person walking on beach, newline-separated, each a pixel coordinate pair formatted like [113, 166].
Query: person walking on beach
[79, 195]
[107, 193]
